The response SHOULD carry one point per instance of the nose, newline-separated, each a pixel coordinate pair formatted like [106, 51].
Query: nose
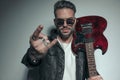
[65, 24]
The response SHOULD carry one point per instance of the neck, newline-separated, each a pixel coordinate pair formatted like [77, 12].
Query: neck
[66, 40]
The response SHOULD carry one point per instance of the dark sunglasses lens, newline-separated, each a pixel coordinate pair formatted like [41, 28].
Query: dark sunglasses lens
[59, 22]
[70, 21]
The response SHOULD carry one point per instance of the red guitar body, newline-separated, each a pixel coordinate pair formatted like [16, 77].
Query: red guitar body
[98, 26]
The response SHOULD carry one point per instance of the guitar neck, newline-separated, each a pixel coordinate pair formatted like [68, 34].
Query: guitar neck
[90, 59]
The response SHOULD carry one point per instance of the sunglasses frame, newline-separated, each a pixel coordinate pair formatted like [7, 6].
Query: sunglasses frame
[58, 24]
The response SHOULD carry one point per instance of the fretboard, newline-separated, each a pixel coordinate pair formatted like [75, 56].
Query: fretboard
[91, 59]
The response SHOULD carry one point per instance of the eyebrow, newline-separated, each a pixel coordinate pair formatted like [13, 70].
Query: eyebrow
[65, 18]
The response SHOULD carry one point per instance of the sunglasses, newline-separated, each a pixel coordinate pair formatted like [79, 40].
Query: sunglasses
[60, 22]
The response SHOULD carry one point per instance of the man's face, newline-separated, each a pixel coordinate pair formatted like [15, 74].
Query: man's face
[65, 22]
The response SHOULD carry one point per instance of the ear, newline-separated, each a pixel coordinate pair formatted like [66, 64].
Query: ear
[75, 22]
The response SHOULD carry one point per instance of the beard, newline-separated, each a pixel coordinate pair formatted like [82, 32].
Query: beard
[65, 35]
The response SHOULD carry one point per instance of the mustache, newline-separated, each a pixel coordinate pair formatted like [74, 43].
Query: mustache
[72, 29]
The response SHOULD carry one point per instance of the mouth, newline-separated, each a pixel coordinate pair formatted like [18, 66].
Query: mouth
[65, 30]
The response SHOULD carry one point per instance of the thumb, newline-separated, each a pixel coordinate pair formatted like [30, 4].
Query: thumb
[52, 43]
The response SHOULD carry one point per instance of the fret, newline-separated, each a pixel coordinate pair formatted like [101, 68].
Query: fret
[90, 59]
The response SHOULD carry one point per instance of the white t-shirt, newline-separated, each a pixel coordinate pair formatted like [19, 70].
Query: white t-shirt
[70, 63]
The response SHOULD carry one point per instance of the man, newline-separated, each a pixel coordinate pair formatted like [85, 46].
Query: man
[52, 56]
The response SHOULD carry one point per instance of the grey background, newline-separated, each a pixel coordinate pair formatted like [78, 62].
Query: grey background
[19, 18]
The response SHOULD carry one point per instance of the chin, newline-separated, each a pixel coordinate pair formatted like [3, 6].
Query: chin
[66, 35]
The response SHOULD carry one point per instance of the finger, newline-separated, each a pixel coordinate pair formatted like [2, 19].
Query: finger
[36, 33]
[52, 43]
[41, 35]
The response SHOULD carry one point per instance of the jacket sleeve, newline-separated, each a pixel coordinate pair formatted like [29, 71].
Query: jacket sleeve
[32, 58]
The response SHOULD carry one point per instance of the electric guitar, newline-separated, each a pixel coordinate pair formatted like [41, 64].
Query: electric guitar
[89, 36]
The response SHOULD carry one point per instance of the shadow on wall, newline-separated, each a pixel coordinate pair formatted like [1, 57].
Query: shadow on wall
[25, 74]
[51, 30]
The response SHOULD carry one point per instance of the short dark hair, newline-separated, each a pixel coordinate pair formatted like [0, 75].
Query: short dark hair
[64, 4]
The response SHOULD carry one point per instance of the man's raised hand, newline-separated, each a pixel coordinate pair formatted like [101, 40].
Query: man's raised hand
[40, 41]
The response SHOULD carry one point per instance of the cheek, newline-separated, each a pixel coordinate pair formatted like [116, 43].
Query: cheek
[71, 27]
[59, 28]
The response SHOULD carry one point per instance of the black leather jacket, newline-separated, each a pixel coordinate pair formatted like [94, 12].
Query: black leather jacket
[51, 66]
